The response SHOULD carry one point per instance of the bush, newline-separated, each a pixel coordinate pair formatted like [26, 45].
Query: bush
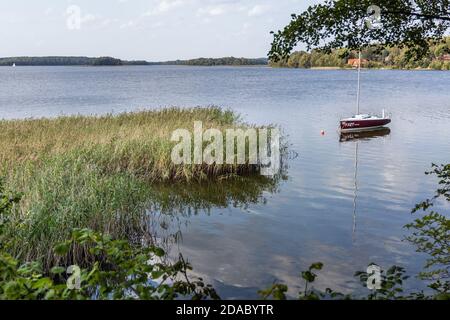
[118, 270]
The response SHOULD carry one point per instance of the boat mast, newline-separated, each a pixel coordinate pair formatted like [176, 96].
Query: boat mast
[359, 82]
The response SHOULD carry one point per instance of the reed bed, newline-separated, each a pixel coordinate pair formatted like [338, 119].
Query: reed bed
[137, 143]
[95, 172]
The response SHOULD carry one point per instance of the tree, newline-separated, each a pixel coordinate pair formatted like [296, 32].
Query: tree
[441, 50]
[431, 235]
[340, 23]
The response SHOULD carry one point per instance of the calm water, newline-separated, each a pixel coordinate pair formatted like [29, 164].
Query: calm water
[311, 216]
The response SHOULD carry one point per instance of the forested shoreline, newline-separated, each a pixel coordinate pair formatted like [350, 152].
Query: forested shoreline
[372, 57]
[110, 61]
[438, 58]
[227, 61]
[61, 61]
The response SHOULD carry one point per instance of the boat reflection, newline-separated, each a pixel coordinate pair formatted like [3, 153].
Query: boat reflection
[364, 135]
[356, 137]
[355, 194]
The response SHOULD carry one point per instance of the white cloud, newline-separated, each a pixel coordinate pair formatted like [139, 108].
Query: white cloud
[258, 10]
[192, 28]
[221, 8]
[164, 6]
[89, 17]
[213, 10]
[128, 24]
[48, 11]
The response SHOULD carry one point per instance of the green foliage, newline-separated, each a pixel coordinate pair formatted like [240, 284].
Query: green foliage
[102, 173]
[431, 234]
[64, 194]
[7, 200]
[118, 270]
[275, 292]
[309, 276]
[340, 23]
[63, 61]
[278, 291]
[106, 61]
[226, 61]
[109, 61]
[391, 286]
[377, 56]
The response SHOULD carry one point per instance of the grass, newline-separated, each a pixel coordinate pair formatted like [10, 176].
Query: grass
[136, 143]
[97, 173]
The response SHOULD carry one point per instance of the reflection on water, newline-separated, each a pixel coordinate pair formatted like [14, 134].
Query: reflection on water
[254, 236]
[356, 137]
[356, 191]
[190, 199]
[170, 206]
[364, 135]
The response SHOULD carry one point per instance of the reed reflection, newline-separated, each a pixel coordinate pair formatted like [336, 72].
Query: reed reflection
[170, 206]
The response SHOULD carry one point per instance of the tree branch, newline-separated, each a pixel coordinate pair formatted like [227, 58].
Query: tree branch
[421, 15]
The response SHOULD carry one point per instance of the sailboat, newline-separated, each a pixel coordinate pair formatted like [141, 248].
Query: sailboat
[363, 122]
[13, 65]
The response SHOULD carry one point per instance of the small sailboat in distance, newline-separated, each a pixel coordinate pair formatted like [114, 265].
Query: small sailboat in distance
[14, 65]
[363, 122]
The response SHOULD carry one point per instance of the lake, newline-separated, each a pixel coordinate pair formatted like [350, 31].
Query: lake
[327, 209]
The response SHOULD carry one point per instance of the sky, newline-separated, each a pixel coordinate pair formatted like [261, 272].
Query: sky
[153, 30]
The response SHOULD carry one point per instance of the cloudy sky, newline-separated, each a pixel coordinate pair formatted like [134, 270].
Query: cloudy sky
[143, 29]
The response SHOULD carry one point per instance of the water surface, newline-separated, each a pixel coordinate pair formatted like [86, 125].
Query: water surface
[243, 246]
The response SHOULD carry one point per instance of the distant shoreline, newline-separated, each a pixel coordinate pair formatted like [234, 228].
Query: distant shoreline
[229, 66]
[377, 57]
[383, 68]
[110, 61]
[201, 62]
